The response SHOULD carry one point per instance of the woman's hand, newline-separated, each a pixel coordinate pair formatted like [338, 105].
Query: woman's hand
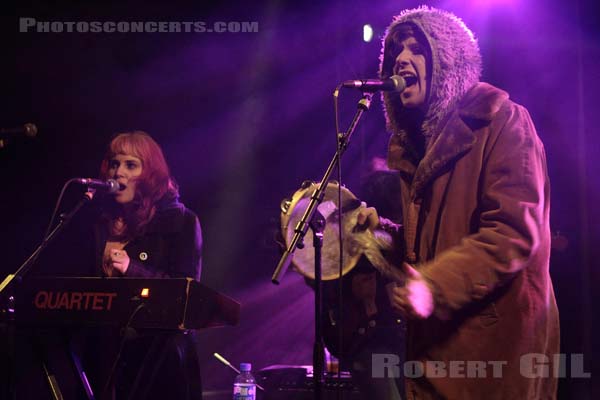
[119, 260]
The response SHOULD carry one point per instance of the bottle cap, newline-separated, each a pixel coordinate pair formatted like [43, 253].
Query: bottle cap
[245, 367]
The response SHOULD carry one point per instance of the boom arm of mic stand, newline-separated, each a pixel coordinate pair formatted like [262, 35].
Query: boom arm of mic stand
[317, 196]
[26, 266]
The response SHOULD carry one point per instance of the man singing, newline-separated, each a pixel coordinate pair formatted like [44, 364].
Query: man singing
[475, 201]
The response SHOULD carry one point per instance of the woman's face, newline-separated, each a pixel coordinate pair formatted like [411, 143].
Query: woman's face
[126, 170]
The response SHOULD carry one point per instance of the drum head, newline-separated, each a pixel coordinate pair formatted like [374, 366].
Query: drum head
[292, 211]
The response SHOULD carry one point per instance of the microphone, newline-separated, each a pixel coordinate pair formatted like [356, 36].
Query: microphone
[29, 130]
[394, 83]
[110, 185]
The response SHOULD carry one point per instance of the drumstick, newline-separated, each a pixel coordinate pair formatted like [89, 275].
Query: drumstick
[224, 361]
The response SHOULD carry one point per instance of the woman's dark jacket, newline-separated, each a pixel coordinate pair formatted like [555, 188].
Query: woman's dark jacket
[159, 365]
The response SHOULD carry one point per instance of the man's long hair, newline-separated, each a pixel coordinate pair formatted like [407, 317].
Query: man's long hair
[392, 44]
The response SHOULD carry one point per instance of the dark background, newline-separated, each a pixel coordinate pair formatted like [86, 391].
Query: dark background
[244, 118]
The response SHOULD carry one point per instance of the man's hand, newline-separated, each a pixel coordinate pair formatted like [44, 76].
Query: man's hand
[415, 298]
[367, 219]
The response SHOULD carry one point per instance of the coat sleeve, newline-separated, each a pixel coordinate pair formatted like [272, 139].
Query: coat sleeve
[513, 225]
[186, 259]
[184, 254]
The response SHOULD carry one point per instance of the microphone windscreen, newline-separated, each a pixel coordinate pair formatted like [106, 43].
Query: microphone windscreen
[399, 83]
[30, 130]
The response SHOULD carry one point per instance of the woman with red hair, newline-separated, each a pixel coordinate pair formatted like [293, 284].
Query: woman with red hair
[144, 231]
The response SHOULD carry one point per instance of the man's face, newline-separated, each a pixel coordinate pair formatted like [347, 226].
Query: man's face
[411, 63]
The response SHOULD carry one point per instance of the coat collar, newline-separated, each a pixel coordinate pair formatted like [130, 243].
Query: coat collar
[167, 218]
[457, 136]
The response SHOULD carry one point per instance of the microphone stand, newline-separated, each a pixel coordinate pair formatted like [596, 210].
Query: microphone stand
[310, 218]
[7, 310]
[317, 225]
[26, 266]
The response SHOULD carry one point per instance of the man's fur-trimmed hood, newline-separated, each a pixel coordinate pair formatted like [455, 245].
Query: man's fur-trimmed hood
[455, 67]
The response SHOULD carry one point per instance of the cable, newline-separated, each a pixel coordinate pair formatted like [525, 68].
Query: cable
[121, 346]
[336, 94]
[338, 136]
[58, 201]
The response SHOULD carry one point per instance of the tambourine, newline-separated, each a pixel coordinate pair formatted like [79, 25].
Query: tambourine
[356, 242]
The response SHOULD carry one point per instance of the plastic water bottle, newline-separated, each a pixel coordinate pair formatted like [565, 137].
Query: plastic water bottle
[244, 386]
